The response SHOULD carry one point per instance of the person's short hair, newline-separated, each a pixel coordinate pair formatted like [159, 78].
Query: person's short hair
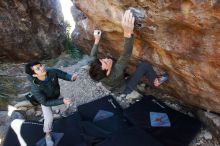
[28, 67]
[95, 71]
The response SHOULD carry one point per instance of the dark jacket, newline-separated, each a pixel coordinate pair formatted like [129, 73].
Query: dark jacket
[116, 78]
[47, 93]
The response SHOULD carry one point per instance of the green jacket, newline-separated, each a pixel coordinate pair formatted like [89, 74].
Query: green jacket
[116, 78]
[47, 93]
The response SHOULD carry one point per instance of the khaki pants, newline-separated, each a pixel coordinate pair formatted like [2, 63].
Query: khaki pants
[48, 118]
[48, 115]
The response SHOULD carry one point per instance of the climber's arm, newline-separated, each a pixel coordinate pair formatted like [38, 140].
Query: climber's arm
[97, 36]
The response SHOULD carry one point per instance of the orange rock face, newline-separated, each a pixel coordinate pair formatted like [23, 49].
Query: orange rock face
[179, 36]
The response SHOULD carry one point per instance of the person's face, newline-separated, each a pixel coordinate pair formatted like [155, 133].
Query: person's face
[39, 70]
[106, 63]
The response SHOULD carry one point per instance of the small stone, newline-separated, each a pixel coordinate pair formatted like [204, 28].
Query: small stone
[141, 87]
[56, 116]
[57, 111]
[25, 103]
[38, 113]
[99, 84]
[190, 114]
[11, 109]
[22, 95]
[41, 120]
[22, 108]
[153, 28]
[201, 141]
[86, 67]
[30, 112]
[119, 98]
[208, 135]
[16, 115]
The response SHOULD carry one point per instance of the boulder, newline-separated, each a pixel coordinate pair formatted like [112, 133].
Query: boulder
[180, 37]
[30, 30]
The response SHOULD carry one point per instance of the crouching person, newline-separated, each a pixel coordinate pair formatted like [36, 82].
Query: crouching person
[46, 90]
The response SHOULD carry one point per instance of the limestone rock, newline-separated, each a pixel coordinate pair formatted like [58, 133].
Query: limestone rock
[30, 29]
[30, 112]
[16, 115]
[180, 37]
[56, 116]
[22, 108]
[212, 121]
[57, 111]
[24, 103]
[38, 113]
[59, 108]
[208, 135]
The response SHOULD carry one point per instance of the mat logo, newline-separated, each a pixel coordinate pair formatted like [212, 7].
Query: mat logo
[159, 119]
[158, 103]
[102, 114]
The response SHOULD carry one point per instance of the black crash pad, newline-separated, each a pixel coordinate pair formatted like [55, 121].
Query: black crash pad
[32, 131]
[96, 131]
[89, 110]
[183, 128]
[131, 137]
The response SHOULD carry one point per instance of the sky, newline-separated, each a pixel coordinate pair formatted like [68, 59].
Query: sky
[66, 8]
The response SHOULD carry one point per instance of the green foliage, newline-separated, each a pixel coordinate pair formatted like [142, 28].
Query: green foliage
[71, 48]
[69, 45]
[67, 27]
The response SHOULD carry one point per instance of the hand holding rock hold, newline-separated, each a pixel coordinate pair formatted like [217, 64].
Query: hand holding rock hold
[97, 35]
[128, 23]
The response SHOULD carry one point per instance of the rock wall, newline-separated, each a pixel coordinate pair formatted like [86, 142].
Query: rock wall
[30, 29]
[179, 36]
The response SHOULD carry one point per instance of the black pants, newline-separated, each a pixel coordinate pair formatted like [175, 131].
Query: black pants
[143, 69]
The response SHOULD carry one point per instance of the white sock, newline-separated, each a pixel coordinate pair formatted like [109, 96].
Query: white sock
[49, 141]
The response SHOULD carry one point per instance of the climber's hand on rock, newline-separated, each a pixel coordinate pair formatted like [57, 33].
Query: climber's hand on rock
[97, 35]
[128, 23]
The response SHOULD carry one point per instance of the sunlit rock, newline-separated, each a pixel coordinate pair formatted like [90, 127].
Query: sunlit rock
[180, 37]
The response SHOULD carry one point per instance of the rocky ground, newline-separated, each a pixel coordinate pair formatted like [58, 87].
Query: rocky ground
[82, 90]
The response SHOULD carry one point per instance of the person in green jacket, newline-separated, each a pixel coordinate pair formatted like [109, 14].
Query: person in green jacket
[111, 72]
[46, 90]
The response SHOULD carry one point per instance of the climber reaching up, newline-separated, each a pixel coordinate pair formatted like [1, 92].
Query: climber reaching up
[111, 72]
